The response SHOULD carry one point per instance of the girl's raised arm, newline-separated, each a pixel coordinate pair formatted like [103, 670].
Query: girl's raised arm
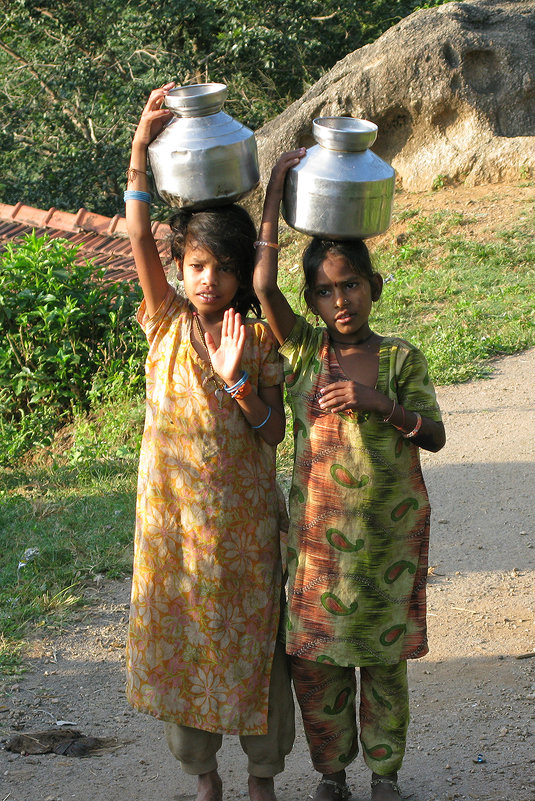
[275, 306]
[148, 264]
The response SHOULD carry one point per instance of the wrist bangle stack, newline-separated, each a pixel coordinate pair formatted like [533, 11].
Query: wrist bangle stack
[241, 388]
[242, 391]
[416, 428]
[136, 194]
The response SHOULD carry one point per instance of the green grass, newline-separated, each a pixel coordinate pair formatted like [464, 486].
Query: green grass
[66, 517]
[462, 301]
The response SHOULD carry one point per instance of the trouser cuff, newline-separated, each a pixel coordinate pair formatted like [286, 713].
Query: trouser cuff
[265, 771]
[198, 768]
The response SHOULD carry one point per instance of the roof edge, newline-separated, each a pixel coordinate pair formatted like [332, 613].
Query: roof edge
[84, 220]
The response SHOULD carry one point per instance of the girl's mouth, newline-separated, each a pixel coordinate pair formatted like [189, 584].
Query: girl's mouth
[343, 318]
[206, 298]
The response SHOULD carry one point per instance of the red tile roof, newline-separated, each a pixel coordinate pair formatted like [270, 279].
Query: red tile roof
[102, 239]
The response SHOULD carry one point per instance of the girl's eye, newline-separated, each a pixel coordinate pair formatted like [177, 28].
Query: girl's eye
[322, 293]
[351, 284]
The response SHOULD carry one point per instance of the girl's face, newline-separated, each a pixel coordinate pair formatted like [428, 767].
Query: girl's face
[209, 285]
[343, 298]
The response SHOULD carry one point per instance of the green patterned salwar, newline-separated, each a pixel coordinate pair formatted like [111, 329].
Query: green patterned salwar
[327, 698]
[357, 554]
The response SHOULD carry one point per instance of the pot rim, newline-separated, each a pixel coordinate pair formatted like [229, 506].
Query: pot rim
[344, 133]
[196, 99]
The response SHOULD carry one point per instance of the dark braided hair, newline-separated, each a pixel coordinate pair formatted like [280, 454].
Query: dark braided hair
[229, 233]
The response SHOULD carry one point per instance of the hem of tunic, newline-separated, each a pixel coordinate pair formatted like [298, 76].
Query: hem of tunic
[180, 721]
[416, 653]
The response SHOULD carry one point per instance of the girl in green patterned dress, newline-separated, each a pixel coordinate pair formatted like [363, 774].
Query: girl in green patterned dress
[362, 406]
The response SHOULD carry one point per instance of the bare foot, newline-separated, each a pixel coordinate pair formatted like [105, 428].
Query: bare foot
[385, 788]
[261, 789]
[209, 787]
[332, 787]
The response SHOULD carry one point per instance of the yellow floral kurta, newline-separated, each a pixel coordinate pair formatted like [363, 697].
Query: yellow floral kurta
[207, 571]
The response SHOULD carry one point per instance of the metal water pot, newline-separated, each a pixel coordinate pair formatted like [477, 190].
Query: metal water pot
[203, 157]
[340, 189]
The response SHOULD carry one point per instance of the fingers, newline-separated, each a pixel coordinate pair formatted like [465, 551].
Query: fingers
[338, 397]
[233, 327]
[157, 97]
[288, 160]
[293, 155]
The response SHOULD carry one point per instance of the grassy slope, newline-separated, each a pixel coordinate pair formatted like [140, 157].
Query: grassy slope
[460, 270]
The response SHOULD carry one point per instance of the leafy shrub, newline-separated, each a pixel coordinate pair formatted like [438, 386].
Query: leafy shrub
[67, 336]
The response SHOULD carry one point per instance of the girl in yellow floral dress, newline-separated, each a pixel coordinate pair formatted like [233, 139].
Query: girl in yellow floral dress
[206, 591]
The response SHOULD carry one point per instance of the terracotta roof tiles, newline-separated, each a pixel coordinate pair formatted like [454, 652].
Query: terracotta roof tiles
[103, 239]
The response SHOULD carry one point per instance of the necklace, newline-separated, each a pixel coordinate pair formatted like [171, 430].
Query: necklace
[219, 391]
[350, 344]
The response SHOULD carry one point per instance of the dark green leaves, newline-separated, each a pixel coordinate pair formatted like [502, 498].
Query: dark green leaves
[65, 334]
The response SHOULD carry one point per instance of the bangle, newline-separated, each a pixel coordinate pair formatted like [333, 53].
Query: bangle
[132, 173]
[135, 194]
[387, 419]
[263, 243]
[245, 389]
[416, 427]
[402, 426]
[263, 423]
[238, 383]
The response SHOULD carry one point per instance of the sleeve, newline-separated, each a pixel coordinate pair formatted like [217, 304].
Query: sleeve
[158, 324]
[270, 373]
[414, 388]
[300, 349]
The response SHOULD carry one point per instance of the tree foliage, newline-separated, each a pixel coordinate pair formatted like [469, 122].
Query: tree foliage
[74, 76]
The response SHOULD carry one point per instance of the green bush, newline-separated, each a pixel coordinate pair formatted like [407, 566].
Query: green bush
[68, 339]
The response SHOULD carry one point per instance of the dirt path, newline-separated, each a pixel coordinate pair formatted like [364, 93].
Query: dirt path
[471, 696]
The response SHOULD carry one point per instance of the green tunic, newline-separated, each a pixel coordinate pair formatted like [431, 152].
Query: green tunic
[359, 512]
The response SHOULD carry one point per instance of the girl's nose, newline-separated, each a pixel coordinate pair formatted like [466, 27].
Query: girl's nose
[209, 276]
[340, 300]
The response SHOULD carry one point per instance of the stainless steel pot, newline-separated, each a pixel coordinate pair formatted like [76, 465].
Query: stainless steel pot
[203, 157]
[340, 189]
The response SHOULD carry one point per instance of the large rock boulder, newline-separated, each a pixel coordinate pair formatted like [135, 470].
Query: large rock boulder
[452, 90]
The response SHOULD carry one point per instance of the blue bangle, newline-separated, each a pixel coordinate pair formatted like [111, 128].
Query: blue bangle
[263, 423]
[238, 383]
[135, 194]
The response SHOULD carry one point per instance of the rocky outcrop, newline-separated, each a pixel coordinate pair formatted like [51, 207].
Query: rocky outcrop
[452, 90]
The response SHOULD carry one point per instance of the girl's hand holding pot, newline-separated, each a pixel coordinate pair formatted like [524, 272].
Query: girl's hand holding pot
[153, 117]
